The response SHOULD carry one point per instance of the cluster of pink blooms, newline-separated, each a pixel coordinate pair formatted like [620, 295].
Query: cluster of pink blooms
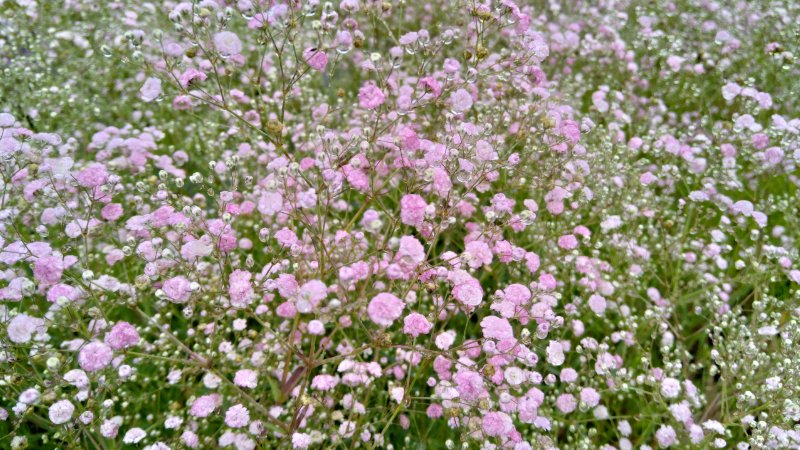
[372, 224]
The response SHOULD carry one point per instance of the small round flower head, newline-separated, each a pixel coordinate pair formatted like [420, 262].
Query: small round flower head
[49, 269]
[497, 328]
[95, 356]
[151, 89]
[590, 397]
[301, 440]
[315, 58]
[227, 43]
[555, 353]
[370, 96]
[460, 101]
[670, 388]
[412, 209]
[134, 436]
[384, 309]
[445, 339]
[666, 436]
[416, 324]
[122, 335]
[566, 403]
[93, 175]
[61, 412]
[246, 378]
[237, 416]
[568, 242]
[324, 382]
[177, 289]
[22, 328]
[497, 424]
[204, 405]
[240, 290]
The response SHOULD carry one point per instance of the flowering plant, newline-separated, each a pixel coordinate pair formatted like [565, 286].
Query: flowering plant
[308, 224]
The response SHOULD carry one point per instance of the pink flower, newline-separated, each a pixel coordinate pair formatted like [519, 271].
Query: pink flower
[315, 58]
[410, 253]
[384, 309]
[151, 89]
[570, 130]
[286, 237]
[431, 85]
[191, 76]
[301, 441]
[479, 254]
[460, 101]
[555, 353]
[22, 328]
[597, 304]
[469, 385]
[240, 289]
[416, 324]
[566, 403]
[177, 289]
[666, 436]
[310, 295]
[468, 291]
[435, 411]
[568, 242]
[203, 406]
[412, 209]
[227, 43]
[324, 382]
[497, 424]
[590, 397]
[95, 356]
[122, 335]
[93, 175]
[496, 328]
[316, 328]
[49, 269]
[61, 412]
[445, 340]
[517, 294]
[246, 378]
[370, 96]
[237, 416]
[111, 211]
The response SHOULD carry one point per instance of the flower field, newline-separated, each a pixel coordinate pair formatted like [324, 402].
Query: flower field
[302, 224]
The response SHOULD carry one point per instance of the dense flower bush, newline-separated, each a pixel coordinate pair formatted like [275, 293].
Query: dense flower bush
[363, 224]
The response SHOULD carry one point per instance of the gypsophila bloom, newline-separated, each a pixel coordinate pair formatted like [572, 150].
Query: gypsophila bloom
[122, 335]
[460, 101]
[203, 406]
[134, 436]
[227, 43]
[384, 309]
[666, 436]
[315, 58]
[237, 416]
[416, 324]
[246, 378]
[151, 89]
[370, 96]
[369, 224]
[22, 327]
[301, 440]
[61, 412]
[95, 356]
[177, 289]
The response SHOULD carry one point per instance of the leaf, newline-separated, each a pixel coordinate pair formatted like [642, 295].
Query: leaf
[274, 389]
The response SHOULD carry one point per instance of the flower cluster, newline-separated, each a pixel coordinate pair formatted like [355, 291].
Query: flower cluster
[308, 224]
